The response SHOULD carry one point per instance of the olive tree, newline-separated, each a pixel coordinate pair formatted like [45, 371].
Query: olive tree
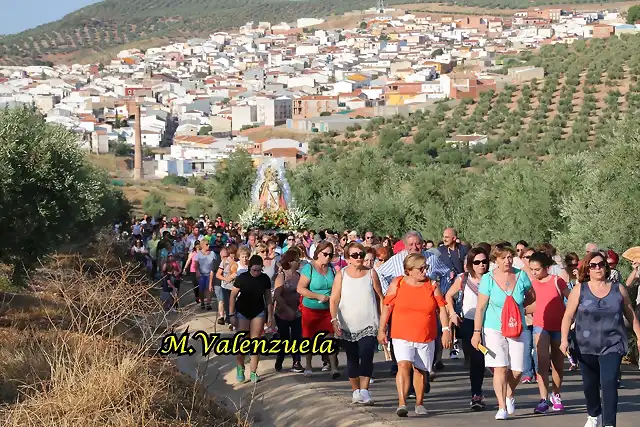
[49, 192]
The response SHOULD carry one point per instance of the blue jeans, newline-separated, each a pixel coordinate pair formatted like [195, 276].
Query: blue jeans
[531, 362]
[360, 356]
[601, 372]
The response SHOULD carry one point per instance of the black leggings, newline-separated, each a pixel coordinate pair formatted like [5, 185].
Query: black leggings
[360, 356]
[194, 283]
[476, 358]
[226, 296]
[289, 330]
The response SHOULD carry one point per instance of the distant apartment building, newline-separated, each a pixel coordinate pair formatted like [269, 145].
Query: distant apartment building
[243, 115]
[550, 15]
[313, 106]
[274, 111]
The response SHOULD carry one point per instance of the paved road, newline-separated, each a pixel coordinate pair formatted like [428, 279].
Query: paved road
[287, 399]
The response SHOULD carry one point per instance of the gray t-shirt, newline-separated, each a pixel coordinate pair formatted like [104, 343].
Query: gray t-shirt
[207, 263]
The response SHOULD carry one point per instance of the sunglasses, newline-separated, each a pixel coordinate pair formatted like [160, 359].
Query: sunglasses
[481, 261]
[422, 269]
[327, 254]
[369, 237]
[597, 265]
[356, 255]
[290, 240]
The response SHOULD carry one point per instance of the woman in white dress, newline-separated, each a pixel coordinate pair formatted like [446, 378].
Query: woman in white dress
[355, 306]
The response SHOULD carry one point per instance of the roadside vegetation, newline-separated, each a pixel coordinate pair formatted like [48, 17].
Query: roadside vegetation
[79, 325]
[81, 350]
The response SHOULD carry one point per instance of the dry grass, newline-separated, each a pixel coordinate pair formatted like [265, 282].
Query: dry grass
[177, 197]
[79, 353]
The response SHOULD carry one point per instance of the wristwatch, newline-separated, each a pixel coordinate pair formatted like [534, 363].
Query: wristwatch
[446, 329]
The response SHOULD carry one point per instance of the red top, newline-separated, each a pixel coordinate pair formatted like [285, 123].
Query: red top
[549, 303]
[398, 247]
[415, 312]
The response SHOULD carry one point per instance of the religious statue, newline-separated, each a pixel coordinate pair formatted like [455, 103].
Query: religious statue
[271, 196]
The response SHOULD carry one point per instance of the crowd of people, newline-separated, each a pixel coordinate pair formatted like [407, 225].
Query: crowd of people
[517, 313]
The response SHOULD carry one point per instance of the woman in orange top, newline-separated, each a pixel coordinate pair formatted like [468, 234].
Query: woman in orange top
[415, 302]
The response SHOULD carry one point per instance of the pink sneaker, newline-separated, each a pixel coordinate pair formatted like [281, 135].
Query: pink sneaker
[557, 402]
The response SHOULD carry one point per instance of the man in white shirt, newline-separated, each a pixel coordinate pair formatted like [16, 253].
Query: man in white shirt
[394, 267]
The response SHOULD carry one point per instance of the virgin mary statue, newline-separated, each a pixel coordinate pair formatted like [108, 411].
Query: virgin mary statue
[271, 196]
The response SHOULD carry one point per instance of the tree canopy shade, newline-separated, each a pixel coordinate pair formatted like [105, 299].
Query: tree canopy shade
[49, 192]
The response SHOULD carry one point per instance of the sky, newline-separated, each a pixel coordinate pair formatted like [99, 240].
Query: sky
[20, 15]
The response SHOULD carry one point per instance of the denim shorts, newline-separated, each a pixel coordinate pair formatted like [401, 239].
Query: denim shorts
[218, 291]
[203, 283]
[241, 317]
[555, 335]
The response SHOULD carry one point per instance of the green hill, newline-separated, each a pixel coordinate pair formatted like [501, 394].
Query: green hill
[111, 23]
[99, 29]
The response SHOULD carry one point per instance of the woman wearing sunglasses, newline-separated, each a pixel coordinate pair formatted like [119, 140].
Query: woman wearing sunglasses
[355, 302]
[416, 303]
[316, 281]
[504, 287]
[251, 307]
[269, 261]
[599, 308]
[465, 288]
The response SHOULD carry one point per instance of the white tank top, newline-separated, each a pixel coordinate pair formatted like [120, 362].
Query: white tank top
[469, 302]
[357, 311]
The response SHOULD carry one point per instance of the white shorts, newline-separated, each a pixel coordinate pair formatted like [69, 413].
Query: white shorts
[509, 352]
[419, 354]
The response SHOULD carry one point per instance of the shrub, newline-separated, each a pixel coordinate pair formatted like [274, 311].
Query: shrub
[175, 180]
[155, 204]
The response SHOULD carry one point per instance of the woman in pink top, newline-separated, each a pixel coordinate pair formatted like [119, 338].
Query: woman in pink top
[191, 265]
[548, 310]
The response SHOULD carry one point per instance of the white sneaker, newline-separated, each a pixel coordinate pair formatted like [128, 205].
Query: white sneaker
[594, 421]
[511, 405]
[366, 397]
[371, 381]
[421, 410]
[356, 397]
[307, 372]
[501, 414]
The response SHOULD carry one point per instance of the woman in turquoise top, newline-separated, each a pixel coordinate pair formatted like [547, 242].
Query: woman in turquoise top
[505, 355]
[316, 281]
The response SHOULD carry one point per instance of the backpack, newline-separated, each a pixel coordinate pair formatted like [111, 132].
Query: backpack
[511, 317]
